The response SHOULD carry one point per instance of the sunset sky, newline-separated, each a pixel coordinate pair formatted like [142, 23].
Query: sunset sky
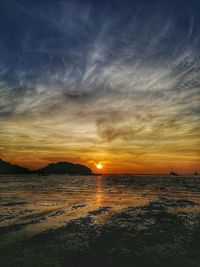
[110, 82]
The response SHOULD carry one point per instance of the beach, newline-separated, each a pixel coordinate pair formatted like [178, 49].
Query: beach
[105, 220]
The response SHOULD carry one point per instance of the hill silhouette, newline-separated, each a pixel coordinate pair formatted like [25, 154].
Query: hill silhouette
[52, 168]
[8, 168]
[65, 168]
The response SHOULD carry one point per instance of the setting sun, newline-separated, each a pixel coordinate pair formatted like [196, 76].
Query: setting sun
[99, 166]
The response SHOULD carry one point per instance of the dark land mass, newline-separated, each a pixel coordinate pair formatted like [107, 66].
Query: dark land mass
[53, 168]
[146, 236]
[8, 168]
[65, 167]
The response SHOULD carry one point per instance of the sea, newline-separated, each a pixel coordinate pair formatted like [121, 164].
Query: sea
[33, 206]
[37, 203]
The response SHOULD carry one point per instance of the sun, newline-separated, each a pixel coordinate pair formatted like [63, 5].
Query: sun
[99, 166]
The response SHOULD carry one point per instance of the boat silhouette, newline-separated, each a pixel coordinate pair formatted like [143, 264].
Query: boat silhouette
[173, 173]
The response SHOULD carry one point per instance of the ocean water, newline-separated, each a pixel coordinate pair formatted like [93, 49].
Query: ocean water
[32, 204]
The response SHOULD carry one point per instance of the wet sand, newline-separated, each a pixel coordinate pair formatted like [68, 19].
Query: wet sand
[100, 221]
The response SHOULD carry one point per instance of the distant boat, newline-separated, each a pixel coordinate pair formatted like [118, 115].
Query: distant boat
[173, 173]
[196, 173]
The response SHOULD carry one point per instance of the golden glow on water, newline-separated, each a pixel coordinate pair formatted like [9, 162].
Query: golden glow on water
[99, 194]
[42, 203]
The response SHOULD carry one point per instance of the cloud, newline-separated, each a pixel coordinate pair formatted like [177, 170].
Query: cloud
[81, 78]
[115, 126]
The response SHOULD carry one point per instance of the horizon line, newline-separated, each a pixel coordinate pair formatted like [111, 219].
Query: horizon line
[94, 173]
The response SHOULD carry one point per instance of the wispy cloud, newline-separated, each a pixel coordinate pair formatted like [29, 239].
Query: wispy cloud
[86, 81]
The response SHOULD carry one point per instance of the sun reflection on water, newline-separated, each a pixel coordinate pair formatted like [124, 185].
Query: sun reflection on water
[99, 195]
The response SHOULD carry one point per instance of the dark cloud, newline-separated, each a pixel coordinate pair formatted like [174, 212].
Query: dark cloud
[116, 126]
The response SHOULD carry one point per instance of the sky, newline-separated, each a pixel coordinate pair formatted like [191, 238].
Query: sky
[110, 82]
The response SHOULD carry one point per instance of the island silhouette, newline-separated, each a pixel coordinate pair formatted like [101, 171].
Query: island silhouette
[52, 168]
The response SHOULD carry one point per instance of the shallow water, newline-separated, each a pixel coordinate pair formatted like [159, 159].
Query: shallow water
[110, 220]
[32, 204]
